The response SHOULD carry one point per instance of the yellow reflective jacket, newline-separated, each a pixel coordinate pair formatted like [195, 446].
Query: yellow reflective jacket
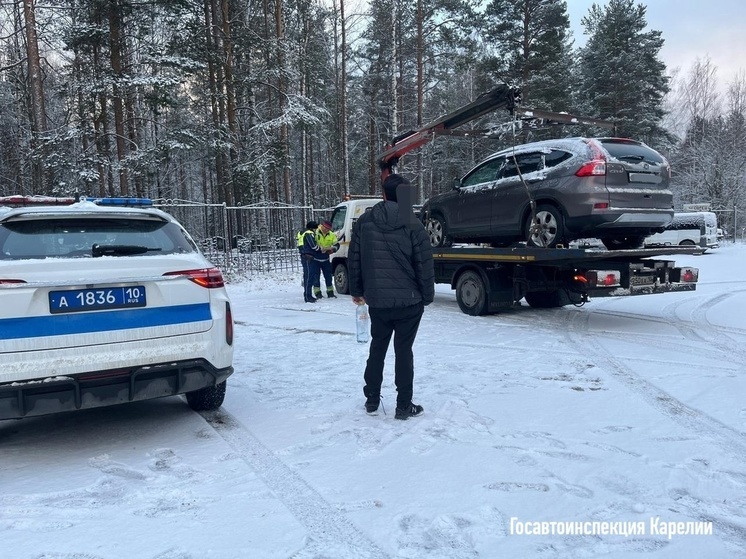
[326, 242]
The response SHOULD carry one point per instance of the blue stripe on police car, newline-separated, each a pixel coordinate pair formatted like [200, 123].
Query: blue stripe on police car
[87, 323]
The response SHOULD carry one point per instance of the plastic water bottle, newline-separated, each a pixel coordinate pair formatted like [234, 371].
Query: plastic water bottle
[362, 321]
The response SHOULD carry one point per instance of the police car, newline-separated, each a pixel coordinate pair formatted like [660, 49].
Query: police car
[103, 303]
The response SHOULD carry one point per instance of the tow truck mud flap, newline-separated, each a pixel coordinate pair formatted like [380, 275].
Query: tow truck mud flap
[500, 294]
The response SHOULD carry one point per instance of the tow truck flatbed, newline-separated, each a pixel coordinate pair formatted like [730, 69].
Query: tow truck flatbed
[489, 279]
[554, 255]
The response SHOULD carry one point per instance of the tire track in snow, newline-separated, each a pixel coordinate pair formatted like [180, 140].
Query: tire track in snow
[329, 530]
[727, 438]
[699, 328]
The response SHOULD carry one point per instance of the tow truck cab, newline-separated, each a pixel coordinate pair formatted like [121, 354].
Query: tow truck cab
[344, 216]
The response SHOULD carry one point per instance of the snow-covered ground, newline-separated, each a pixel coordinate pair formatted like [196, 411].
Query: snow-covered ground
[625, 415]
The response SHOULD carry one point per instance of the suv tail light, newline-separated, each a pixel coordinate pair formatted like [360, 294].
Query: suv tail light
[206, 277]
[594, 168]
[10, 281]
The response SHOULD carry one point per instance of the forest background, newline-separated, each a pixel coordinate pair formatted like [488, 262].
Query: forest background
[289, 101]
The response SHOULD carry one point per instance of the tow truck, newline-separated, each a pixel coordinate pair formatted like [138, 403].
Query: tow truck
[489, 279]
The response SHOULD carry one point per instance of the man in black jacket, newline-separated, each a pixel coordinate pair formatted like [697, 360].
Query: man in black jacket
[391, 269]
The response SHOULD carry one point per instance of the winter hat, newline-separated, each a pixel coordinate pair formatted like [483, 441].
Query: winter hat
[327, 224]
[311, 225]
[390, 185]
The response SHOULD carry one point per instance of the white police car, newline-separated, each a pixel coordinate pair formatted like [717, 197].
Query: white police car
[102, 304]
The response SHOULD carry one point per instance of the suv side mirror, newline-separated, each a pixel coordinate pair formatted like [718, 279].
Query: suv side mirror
[456, 184]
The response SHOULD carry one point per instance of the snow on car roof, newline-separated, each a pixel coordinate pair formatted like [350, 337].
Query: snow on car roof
[569, 144]
[83, 207]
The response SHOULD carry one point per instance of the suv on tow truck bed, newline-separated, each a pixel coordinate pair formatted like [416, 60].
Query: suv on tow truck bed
[487, 279]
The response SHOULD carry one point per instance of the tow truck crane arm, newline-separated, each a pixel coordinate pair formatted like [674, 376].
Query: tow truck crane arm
[502, 97]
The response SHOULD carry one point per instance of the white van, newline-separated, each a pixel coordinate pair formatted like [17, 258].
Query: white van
[688, 229]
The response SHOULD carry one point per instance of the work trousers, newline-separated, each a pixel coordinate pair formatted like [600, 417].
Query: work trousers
[403, 323]
[324, 267]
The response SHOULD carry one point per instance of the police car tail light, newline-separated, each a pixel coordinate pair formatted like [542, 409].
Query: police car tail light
[228, 324]
[10, 281]
[206, 277]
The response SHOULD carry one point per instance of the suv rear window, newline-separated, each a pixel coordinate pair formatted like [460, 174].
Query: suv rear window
[632, 151]
[75, 237]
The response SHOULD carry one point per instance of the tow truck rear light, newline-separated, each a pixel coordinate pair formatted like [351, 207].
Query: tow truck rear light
[595, 168]
[206, 277]
[604, 278]
[689, 275]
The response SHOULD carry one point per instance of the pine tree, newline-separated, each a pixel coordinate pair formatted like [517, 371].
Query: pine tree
[623, 78]
[532, 49]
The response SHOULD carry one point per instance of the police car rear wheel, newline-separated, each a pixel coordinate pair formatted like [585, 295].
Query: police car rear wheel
[207, 398]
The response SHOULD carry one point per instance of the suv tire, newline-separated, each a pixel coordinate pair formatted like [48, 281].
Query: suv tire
[552, 227]
[435, 226]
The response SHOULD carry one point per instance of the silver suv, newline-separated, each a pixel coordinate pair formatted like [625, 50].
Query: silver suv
[614, 189]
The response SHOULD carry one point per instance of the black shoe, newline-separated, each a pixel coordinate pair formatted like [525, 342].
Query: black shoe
[311, 300]
[318, 296]
[410, 410]
[331, 295]
[371, 405]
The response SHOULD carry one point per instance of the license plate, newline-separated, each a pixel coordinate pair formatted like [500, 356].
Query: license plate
[78, 300]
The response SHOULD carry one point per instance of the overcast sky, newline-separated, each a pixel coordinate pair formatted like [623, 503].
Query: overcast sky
[691, 29]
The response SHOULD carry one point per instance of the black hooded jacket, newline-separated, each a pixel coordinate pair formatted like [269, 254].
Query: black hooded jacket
[390, 261]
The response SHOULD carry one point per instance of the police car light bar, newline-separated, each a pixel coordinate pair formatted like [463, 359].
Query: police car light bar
[23, 201]
[125, 202]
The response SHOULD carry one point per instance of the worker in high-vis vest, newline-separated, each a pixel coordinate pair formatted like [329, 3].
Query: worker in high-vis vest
[328, 244]
[307, 247]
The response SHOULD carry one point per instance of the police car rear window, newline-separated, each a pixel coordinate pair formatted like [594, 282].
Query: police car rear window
[76, 238]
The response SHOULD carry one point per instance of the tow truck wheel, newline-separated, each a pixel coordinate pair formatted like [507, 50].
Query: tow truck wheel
[549, 229]
[207, 398]
[436, 230]
[471, 293]
[341, 280]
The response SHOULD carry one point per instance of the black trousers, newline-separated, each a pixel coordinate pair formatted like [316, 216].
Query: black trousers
[403, 323]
